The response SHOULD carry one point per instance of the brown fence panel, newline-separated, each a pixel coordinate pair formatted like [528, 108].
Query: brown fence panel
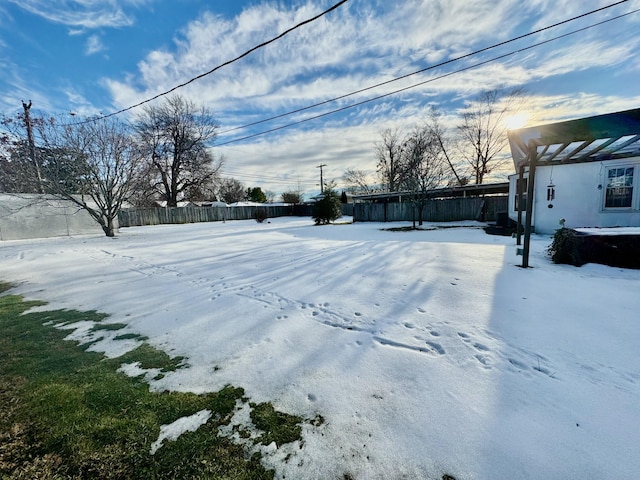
[435, 210]
[135, 217]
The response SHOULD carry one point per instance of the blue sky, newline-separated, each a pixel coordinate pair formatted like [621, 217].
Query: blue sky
[92, 56]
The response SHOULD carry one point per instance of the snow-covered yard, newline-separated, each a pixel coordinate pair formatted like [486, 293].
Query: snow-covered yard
[426, 352]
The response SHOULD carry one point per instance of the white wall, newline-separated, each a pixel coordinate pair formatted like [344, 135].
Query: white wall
[25, 216]
[579, 196]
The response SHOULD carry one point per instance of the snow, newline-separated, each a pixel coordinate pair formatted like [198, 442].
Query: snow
[246, 204]
[173, 430]
[427, 352]
[610, 231]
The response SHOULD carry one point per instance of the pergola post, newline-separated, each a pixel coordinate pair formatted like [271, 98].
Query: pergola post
[533, 157]
[519, 197]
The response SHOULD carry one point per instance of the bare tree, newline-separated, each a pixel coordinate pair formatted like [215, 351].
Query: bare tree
[357, 181]
[483, 130]
[423, 167]
[231, 190]
[16, 170]
[271, 196]
[438, 133]
[388, 153]
[92, 164]
[177, 137]
[203, 192]
[294, 197]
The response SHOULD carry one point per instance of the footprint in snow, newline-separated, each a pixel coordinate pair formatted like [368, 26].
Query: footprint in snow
[437, 347]
[518, 364]
[544, 370]
[485, 360]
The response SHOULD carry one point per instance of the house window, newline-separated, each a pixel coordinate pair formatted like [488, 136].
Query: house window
[619, 187]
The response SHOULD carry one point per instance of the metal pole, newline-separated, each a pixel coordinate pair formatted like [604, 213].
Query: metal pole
[32, 145]
[530, 189]
[519, 198]
[321, 179]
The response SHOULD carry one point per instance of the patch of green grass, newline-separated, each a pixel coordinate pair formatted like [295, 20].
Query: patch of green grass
[5, 287]
[131, 336]
[108, 326]
[149, 357]
[277, 426]
[68, 413]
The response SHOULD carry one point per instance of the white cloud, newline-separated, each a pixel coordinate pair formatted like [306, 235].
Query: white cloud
[333, 56]
[87, 14]
[355, 47]
[94, 45]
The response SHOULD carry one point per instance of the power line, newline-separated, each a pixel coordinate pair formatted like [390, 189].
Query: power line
[441, 64]
[357, 104]
[265, 177]
[251, 50]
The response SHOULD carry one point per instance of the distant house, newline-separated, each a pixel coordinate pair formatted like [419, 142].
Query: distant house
[582, 173]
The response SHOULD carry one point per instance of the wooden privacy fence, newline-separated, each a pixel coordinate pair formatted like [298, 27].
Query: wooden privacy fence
[435, 210]
[161, 215]
[135, 217]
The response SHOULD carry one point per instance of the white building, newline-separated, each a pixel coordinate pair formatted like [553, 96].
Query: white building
[31, 215]
[586, 172]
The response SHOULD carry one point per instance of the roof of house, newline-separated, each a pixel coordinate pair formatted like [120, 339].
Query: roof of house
[614, 135]
[445, 192]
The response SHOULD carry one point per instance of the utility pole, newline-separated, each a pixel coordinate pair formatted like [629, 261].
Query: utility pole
[321, 178]
[32, 145]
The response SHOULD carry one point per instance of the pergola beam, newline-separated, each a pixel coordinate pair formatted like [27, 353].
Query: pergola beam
[600, 127]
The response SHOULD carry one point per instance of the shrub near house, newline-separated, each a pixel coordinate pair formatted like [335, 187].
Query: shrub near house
[577, 248]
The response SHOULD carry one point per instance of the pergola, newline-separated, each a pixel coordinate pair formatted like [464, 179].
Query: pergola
[614, 135]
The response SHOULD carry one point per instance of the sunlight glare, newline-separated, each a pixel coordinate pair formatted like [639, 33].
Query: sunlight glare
[517, 120]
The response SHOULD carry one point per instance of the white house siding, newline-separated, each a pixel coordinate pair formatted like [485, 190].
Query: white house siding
[579, 196]
[24, 216]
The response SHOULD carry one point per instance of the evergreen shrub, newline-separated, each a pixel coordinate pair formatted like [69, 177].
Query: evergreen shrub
[327, 209]
[565, 248]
